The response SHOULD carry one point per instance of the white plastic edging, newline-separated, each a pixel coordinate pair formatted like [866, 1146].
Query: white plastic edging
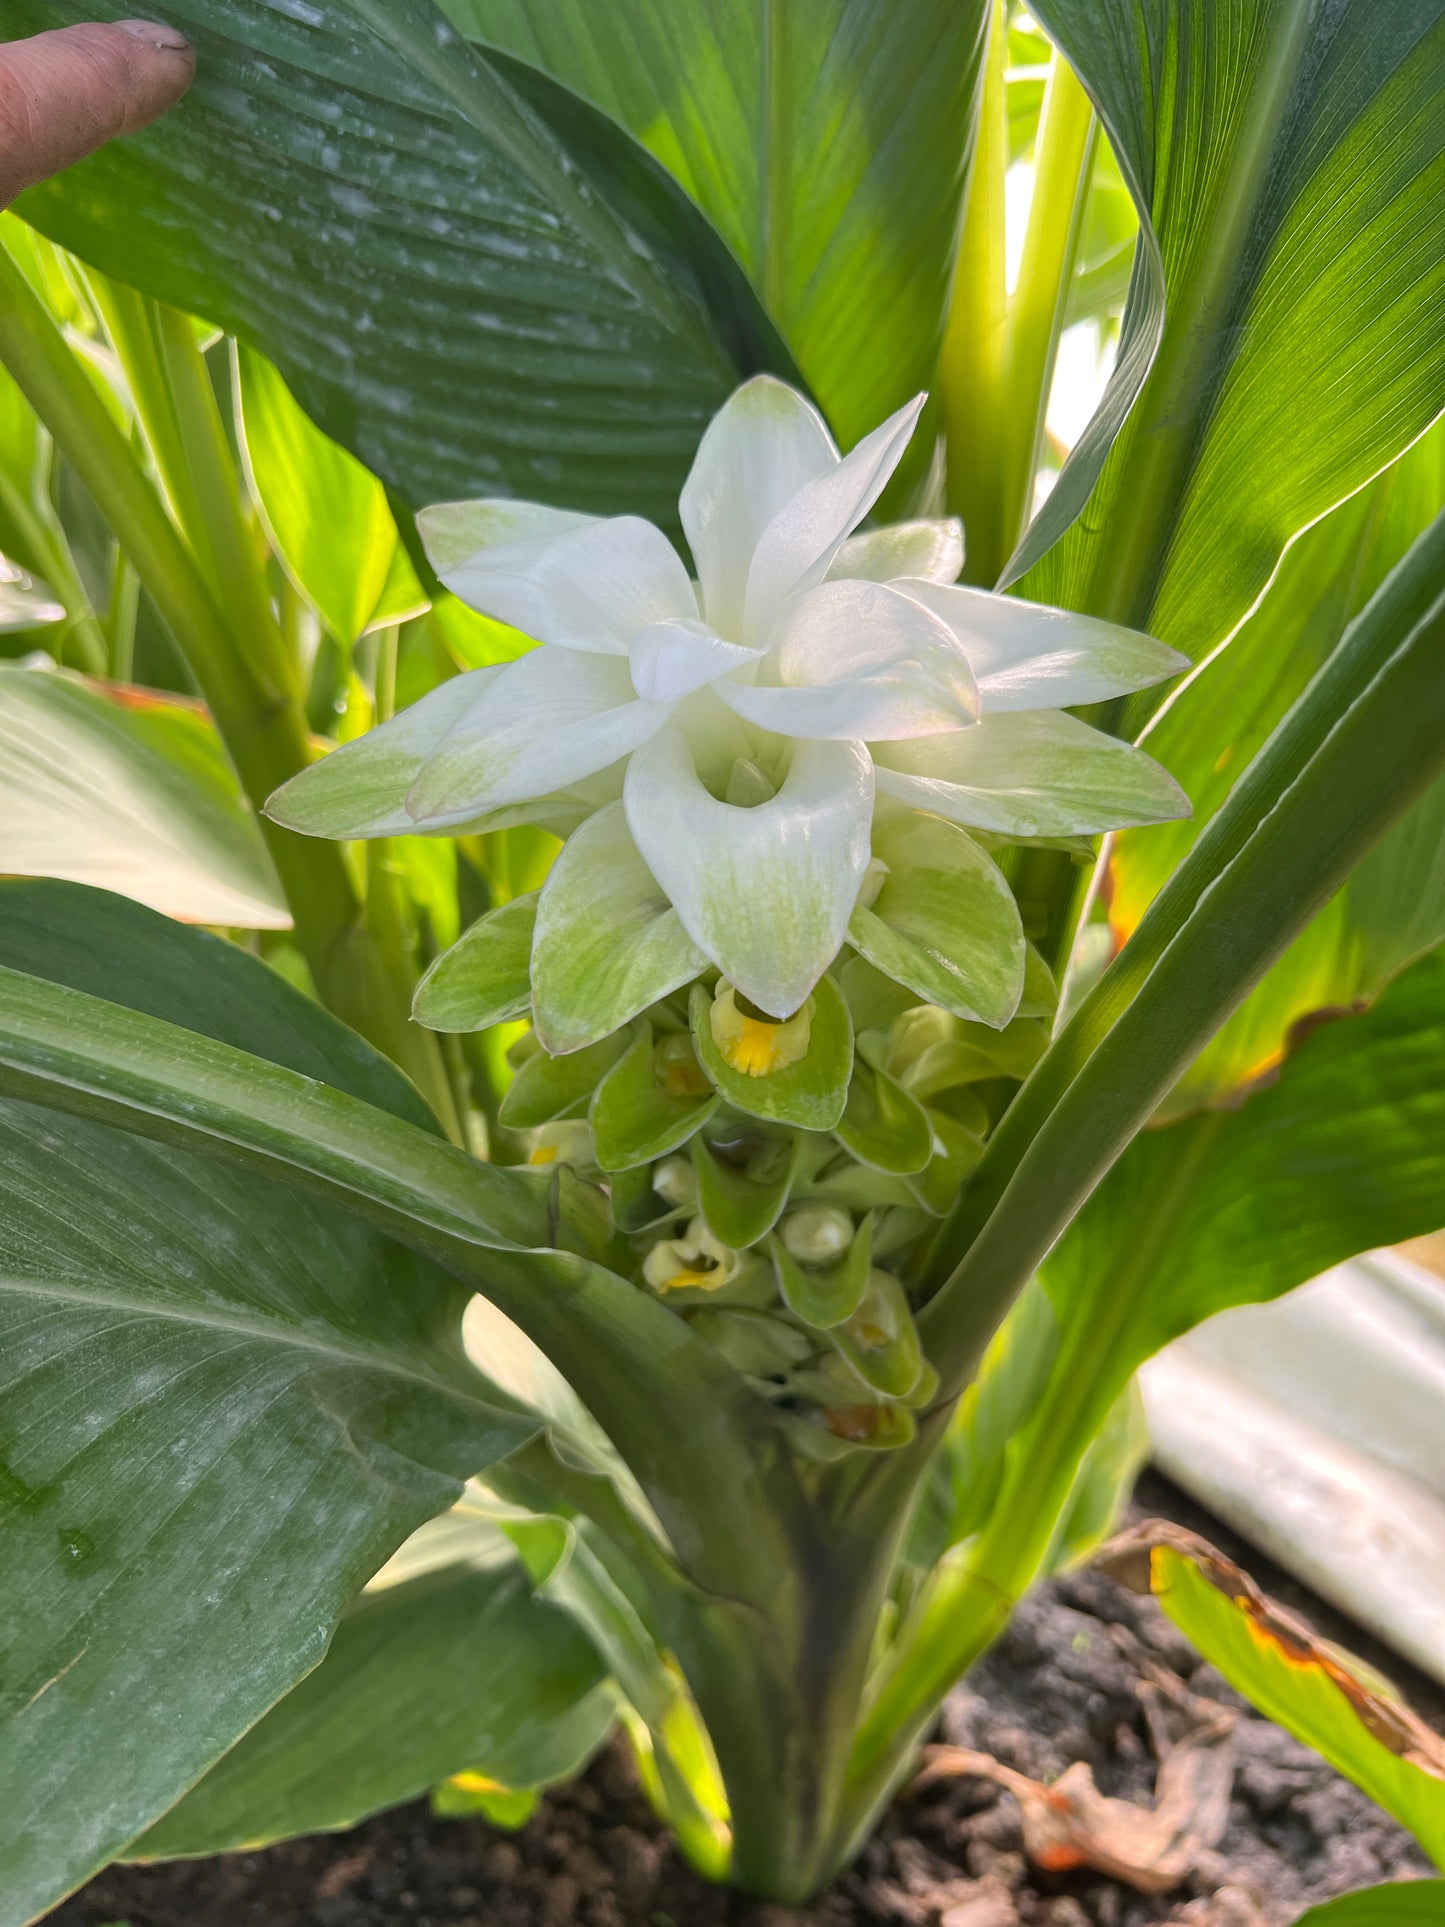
[1315, 1427]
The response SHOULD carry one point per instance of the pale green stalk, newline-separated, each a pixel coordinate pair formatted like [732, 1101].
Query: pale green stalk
[44, 537]
[1063, 164]
[973, 363]
[999, 350]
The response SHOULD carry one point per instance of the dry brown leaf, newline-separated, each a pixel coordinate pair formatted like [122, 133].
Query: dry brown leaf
[1071, 1824]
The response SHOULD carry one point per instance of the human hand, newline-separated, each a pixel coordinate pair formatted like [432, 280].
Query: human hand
[65, 93]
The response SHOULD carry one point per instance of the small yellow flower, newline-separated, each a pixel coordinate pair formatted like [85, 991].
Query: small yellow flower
[752, 1042]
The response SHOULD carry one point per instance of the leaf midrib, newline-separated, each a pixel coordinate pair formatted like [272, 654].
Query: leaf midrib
[257, 1328]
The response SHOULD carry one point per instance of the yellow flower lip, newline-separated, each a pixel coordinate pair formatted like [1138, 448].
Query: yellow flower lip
[694, 1262]
[753, 1043]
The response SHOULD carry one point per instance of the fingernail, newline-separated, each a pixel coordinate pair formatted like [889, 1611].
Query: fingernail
[156, 34]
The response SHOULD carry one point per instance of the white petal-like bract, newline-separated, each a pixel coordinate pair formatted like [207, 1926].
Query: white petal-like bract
[766, 892]
[760, 448]
[860, 660]
[550, 718]
[927, 551]
[672, 659]
[797, 548]
[360, 789]
[1026, 656]
[1032, 773]
[591, 585]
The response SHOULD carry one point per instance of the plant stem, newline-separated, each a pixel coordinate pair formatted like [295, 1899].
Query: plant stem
[44, 537]
[974, 1589]
[1063, 164]
[121, 617]
[973, 363]
[999, 350]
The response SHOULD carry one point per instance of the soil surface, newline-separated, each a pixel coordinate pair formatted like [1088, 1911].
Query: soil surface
[1064, 1685]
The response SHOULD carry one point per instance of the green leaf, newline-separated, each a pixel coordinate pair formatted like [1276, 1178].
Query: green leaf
[996, 1407]
[743, 1181]
[810, 1093]
[1393, 907]
[1343, 1152]
[827, 144]
[1287, 171]
[107, 946]
[328, 520]
[608, 943]
[648, 1103]
[224, 1404]
[132, 792]
[883, 1125]
[485, 977]
[1364, 741]
[445, 1663]
[465, 274]
[701, 1430]
[1399, 1903]
[1105, 1481]
[546, 1087]
[945, 922]
[1273, 1657]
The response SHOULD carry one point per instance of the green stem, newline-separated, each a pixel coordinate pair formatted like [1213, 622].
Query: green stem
[176, 408]
[121, 617]
[973, 1590]
[973, 363]
[1063, 164]
[45, 538]
[236, 568]
[263, 730]
[999, 350]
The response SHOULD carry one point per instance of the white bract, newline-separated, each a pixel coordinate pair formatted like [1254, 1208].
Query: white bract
[753, 721]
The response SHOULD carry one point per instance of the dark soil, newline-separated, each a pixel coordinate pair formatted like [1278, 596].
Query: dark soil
[1063, 1685]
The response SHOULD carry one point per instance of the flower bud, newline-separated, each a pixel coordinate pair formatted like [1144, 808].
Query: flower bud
[675, 1182]
[675, 1066]
[818, 1234]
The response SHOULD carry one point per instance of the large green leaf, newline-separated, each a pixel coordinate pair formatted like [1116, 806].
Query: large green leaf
[827, 144]
[131, 792]
[1393, 907]
[504, 1231]
[1286, 162]
[1399, 1903]
[223, 1405]
[1345, 1150]
[467, 276]
[445, 1664]
[1365, 740]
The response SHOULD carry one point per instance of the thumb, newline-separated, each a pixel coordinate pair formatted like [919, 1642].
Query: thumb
[65, 93]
